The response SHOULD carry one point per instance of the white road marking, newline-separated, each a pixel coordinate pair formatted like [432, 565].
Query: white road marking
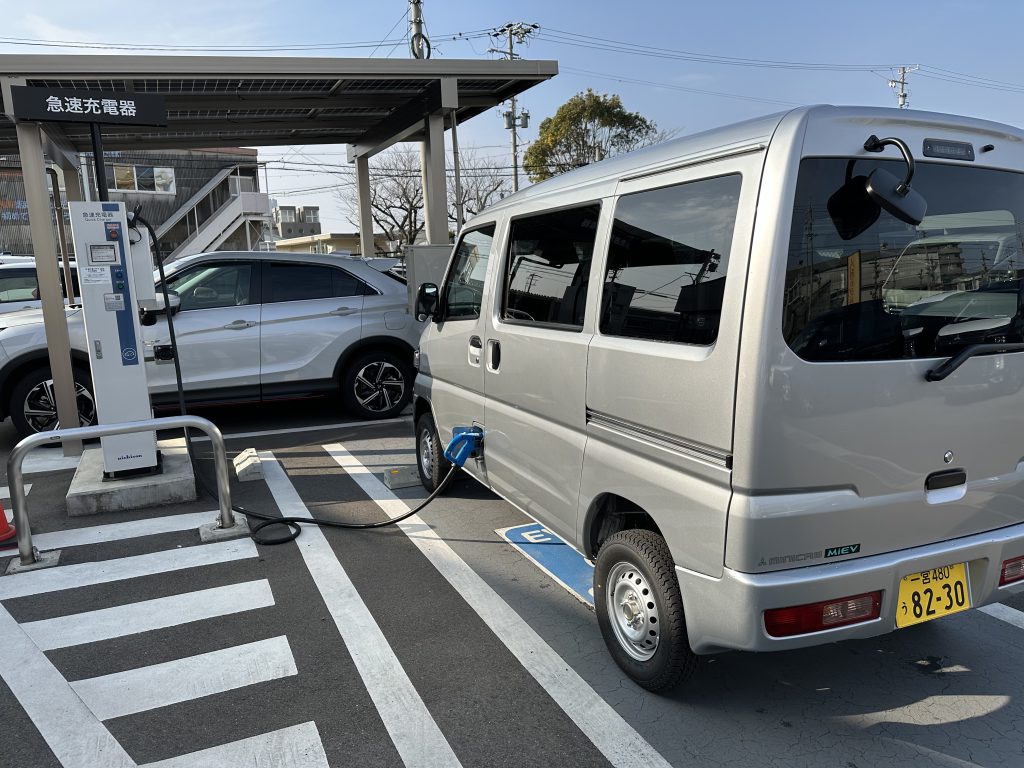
[180, 441]
[613, 736]
[72, 732]
[5, 491]
[147, 615]
[129, 529]
[1004, 613]
[296, 747]
[160, 685]
[87, 574]
[48, 460]
[415, 734]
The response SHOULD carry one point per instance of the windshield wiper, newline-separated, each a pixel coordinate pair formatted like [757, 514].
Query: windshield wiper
[942, 371]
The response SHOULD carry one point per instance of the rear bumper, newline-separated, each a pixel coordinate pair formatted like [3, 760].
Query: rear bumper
[728, 612]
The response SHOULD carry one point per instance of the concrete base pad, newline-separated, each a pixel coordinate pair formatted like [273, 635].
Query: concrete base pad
[401, 477]
[43, 560]
[90, 493]
[213, 531]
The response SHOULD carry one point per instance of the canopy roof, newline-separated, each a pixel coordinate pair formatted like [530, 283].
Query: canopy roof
[219, 101]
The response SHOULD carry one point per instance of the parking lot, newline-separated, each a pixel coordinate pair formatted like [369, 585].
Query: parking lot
[431, 643]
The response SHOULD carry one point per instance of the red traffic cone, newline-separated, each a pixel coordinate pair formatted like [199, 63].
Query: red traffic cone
[7, 532]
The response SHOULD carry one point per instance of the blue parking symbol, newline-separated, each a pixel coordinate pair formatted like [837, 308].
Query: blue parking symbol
[553, 556]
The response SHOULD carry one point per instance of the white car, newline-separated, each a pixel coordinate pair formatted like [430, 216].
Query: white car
[19, 286]
[252, 326]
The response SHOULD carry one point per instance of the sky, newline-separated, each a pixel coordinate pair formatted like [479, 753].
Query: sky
[716, 63]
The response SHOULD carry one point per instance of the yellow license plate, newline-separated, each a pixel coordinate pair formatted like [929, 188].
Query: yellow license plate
[927, 595]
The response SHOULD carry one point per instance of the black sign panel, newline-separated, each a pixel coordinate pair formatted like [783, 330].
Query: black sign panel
[104, 107]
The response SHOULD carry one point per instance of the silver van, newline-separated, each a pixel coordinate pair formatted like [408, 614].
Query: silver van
[695, 365]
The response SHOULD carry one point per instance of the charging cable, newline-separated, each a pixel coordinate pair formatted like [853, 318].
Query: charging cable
[463, 444]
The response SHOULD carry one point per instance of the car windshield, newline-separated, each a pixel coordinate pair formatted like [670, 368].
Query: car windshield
[896, 290]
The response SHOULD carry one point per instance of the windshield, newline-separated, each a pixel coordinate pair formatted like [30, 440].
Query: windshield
[901, 291]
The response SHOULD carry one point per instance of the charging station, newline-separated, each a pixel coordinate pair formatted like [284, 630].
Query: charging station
[108, 263]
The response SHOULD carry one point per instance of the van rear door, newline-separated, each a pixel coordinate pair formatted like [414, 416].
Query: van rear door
[855, 449]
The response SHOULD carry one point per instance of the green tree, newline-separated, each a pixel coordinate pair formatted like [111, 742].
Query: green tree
[587, 128]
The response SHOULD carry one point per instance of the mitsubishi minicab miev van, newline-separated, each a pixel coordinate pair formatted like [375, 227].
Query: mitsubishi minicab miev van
[768, 377]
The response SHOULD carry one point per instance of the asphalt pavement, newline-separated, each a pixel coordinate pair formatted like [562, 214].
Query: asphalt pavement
[436, 642]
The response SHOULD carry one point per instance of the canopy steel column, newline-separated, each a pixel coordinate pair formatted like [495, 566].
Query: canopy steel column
[435, 193]
[366, 246]
[55, 321]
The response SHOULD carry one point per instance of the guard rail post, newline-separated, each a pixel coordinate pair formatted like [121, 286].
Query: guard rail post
[28, 555]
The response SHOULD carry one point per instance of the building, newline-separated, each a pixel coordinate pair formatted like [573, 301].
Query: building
[197, 200]
[332, 242]
[292, 221]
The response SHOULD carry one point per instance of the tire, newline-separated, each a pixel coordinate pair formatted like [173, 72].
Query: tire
[34, 391]
[377, 385]
[430, 460]
[640, 610]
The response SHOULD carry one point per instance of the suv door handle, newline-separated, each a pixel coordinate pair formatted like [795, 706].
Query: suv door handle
[475, 343]
[493, 355]
[238, 325]
[342, 311]
[476, 347]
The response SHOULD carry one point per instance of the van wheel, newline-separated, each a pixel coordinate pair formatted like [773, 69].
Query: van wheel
[33, 405]
[640, 610]
[430, 460]
[377, 385]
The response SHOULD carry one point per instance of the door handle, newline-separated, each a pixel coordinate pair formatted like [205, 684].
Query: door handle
[238, 325]
[475, 343]
[493, 354]
[342, 311]
[476, 348]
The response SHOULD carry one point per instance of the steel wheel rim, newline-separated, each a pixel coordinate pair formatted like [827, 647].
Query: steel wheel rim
[40, 407]
[427, 452]
[632, 611]
[379, 386]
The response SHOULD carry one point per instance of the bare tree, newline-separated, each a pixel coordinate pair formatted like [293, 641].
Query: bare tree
[396, 195]
[483, 182]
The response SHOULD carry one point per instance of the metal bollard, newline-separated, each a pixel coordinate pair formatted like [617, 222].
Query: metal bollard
[19, 503]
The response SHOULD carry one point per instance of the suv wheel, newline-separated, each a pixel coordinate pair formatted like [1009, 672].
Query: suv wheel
[33, 405]
[377, 385]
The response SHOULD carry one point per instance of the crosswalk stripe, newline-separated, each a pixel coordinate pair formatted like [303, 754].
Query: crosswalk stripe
[74, 735]
[606, 729]
[1004, 613]
[104, 571]
[160, 685]
[416, 736]
[296, 747]
[129, 529]
[147, 615]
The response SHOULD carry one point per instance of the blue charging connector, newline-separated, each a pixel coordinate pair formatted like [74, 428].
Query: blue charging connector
[465, 441]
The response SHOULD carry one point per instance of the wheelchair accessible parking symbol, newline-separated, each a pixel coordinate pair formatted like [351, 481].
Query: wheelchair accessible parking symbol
[553, 556]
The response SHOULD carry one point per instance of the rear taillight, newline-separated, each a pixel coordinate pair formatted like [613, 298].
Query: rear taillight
[814, 617]
[1013, 570]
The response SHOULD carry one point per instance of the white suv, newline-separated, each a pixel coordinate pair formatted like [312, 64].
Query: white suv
[252, 326]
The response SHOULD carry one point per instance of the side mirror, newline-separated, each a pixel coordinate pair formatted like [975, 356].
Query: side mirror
[890, 193]
[147, 317]
[426, 301]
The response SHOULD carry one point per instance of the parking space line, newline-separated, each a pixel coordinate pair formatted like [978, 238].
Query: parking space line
[599, 722]
[172, 682]
[73, 733]
[416, 736]
[147, 615]
[1004, 613]
[129, 529]
[296, 747]
[104, 571]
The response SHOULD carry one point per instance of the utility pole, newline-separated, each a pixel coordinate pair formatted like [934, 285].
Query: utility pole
[514, 118]
[900, 85]
[419, 45]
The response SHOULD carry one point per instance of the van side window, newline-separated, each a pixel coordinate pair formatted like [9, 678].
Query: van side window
[549, 267]
[464, 288]
[667, 261]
